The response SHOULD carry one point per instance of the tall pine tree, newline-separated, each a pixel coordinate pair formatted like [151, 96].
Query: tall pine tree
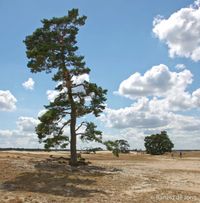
[52, 49]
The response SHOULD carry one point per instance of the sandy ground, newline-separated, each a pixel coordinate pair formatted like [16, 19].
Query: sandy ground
[46, 178]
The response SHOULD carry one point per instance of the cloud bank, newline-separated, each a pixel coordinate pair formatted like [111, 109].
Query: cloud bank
[23, 136]
[160, 101]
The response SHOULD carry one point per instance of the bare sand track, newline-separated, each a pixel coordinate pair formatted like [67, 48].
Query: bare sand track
[45, 178]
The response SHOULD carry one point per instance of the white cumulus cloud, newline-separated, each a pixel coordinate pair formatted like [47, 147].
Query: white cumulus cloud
[181, 32]
[27, 124]
[23, 136]
[180, 66]
[138, 115]
[29, 84]
[158, 81]
[7, 101]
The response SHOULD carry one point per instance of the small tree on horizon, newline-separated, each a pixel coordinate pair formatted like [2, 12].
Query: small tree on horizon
[118, 146]
[158, 144]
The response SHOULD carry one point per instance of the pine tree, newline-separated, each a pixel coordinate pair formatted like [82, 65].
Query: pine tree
[52, 49]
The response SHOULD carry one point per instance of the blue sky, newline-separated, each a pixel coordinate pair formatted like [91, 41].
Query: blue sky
[118, 40]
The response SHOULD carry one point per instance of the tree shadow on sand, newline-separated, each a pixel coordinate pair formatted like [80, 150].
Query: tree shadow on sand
[56, 177]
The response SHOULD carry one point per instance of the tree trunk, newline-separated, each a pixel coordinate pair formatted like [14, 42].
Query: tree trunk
[73, 152]
[73, 161]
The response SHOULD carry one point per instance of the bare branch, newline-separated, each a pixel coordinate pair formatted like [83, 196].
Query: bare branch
[82, 124]
[74, 86]
[66, 123]
[59, 120]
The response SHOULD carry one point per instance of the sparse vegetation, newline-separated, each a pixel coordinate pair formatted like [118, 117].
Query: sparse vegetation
[118, 146]
[45, 177]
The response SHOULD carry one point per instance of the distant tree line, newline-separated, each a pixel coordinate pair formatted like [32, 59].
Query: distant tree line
[20, 149]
